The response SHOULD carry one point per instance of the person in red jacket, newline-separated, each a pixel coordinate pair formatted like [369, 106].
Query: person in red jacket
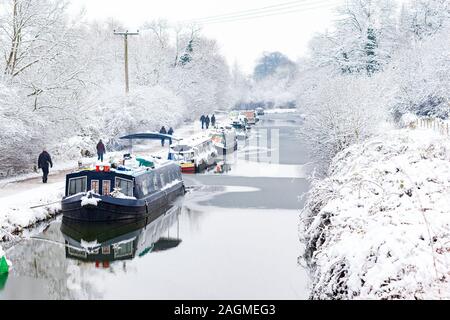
[101, 150]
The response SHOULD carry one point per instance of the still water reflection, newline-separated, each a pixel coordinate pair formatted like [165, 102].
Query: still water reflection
[105, 243]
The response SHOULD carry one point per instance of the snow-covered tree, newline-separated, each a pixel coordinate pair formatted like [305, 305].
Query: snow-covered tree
[62, 80]
[364, 38]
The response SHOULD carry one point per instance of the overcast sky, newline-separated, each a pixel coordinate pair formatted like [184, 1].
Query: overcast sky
[242, 41]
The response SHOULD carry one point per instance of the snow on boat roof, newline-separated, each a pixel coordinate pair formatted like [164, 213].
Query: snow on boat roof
[194, 140]
[149, 136]
[133, 171]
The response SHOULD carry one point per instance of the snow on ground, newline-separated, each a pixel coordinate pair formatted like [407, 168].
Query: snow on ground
[29, 207]
[379, 226]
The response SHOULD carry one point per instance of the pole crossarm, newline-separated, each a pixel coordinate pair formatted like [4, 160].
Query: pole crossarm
[126, 33]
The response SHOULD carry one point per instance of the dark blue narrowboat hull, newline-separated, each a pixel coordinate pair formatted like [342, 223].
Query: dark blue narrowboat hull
[115, 209]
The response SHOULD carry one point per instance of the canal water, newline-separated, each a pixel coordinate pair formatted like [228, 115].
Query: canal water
[233, 236]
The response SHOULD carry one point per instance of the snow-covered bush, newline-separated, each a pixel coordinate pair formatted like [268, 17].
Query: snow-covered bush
[340, 111]
[378, 226]
[408, 120]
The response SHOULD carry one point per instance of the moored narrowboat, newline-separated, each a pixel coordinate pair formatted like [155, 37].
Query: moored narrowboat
[195, 154]
[225, 140]
[251, 116]
[132, 189]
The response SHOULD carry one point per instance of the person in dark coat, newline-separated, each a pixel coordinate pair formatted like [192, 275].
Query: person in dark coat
[207, 122]
[101, 150]
[213, 121]
[170, 133]
[163, 131]
[203, 121]
[44, 162]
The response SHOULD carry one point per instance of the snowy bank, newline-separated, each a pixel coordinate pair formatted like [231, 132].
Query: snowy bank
[25, 209]
[378, 227]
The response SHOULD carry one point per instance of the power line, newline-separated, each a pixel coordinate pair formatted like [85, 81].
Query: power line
[256, 11]
[323, 5]
[250, 10]
[279, 10]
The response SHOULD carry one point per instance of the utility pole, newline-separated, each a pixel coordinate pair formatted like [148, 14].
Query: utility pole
[125, 36]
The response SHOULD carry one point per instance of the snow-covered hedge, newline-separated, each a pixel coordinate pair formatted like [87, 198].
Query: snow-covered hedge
[379, 226]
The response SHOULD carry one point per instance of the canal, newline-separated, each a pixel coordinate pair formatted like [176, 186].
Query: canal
[233, 236]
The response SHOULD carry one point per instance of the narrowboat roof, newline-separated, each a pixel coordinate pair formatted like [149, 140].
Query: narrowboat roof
[127, 171]
[149, 136]
[194, 141]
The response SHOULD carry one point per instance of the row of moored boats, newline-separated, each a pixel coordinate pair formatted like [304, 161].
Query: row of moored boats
[134, 187]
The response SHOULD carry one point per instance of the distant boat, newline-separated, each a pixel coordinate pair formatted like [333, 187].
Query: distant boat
[225, 140]
[116, 241]
[241, 127]
[260, 111]
[194, 154]
[132, 189]
[251, 116]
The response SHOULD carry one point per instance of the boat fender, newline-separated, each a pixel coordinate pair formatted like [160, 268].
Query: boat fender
[4, 266]
[146, 206]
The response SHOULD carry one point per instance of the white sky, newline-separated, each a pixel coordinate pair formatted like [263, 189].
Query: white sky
[241, 41]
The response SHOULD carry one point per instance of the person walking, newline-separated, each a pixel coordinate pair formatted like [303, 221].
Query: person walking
[213, 121]
[203, 121]
[101, 150]
[207, 122]
[170, 133]
[163, 131]
[44, 162]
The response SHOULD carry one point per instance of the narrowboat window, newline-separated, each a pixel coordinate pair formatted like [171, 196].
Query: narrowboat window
[77, 252]
[77, 185]
[125, 186]
[106, 250]
[95, 186]
[145, 187]
[106, 187]
[175, 174]
[155, 182]
[123, 250]
[163, 180]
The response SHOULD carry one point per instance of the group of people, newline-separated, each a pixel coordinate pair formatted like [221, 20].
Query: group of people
[165, 132]
[45, 160]
[207, 121]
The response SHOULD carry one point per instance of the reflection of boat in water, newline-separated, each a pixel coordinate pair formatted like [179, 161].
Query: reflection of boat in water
[115, 241]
